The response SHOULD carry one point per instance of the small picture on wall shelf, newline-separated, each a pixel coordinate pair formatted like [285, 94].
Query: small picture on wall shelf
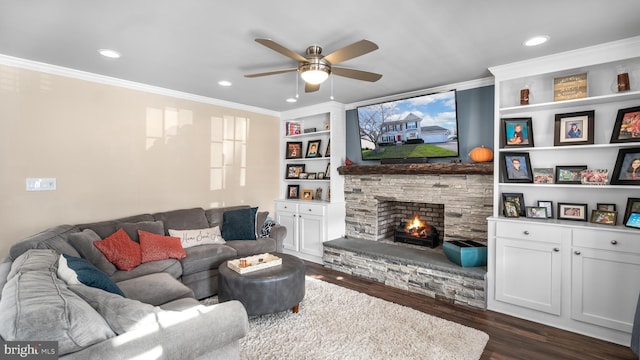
[516, 168]
[569, 211]
[294, 171]
[327, 172]
[303, 176]
[537, 212]
[293, 191]
[307, 194]
[606, 207]
[294, 150]
[569, 174]
[574, 128]
[627, 126]
[320, 176]
[595, 177]
[513, 204]
[633, 206]
[627, 168]
[543, 175]
[311, 176]
[604, 217]
[547, 205]
[327, 153]
[313, 149]
[318, 194]
[517, 132]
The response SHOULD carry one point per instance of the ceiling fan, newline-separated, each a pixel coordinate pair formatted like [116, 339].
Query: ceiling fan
[314, 68]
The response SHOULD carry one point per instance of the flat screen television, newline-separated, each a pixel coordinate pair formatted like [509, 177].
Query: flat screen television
[410, 130]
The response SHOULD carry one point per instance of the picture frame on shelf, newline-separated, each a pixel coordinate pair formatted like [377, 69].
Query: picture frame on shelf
[633, 205]
[293, 191]
[604, 217]
[572, 211]
[543, 176]
[327, 172]
[576, 128]
[318, 195]
[513, 204]
[516, 167]
[627, 168]
[307, 194]
[536, 212]
[327, 152]
[293, 171]
[606, 207]
[294, 150]
[627, 126]
[547, 204]
[569, 174]
[320, 176]
[633, 221]
[313, 148]
[311, 176]
[570, 87]
[516, 132]
[303, 176]
[595, 177]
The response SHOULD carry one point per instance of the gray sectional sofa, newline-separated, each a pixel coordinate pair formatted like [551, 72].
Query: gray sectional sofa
[159, 316]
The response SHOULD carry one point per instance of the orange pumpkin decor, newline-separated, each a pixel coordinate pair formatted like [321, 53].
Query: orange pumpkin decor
[481, 154]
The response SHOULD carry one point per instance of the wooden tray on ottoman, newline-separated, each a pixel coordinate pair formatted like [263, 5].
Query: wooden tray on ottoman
[254, 263]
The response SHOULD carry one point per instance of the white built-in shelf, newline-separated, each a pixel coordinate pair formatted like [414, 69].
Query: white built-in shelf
[593, 100]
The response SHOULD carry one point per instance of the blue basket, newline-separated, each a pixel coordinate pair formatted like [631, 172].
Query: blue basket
[466, 253]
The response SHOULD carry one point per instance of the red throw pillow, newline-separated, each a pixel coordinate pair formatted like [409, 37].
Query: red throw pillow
[120, 250]
[158, 247]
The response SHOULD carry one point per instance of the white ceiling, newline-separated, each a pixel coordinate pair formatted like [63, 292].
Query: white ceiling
[190, 45]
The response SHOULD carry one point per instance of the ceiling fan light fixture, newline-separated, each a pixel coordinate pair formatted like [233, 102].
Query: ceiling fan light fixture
[314, 74]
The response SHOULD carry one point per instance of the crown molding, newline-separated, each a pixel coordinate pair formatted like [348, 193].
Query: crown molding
[107, 80]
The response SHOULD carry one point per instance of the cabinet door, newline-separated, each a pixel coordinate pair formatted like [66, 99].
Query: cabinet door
[311, 234]
[605, 287]
[528, 274]
[290, 221]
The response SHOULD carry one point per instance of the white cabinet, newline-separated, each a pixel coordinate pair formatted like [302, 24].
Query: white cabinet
[287, 216]
[306, 228]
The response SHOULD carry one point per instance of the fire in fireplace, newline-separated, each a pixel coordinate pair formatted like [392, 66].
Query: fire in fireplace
[417, 232]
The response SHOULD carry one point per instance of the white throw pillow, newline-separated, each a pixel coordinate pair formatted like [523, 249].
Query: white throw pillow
[196, 237]
[66, 273]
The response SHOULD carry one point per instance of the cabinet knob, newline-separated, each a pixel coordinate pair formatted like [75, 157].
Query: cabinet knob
[577, 252]
[556, 249]
[613, 242]
[309, 209]
[526, 232]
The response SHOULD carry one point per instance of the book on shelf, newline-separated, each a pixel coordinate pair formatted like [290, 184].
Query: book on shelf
[292, 128]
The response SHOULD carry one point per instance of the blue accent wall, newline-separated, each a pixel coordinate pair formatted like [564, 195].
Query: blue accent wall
[475, 125]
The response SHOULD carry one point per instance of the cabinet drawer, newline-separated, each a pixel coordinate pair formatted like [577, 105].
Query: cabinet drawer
[286, 206]
[528, 231]
[313, 209]
[606, 240]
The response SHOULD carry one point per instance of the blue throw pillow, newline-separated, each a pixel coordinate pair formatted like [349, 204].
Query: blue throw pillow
[91, 276]
[239, 224]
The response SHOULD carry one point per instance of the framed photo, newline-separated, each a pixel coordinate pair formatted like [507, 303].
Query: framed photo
[311, 176]
[606, 207]
[294, 150]
[547, 205]
[318, 195]
[294, 171]
[327, 153]
[633, 205]
[604, 217]
[569, 174]
[313, 148]
[516, 132]
[595, 177]
[627, 169]
[627, 126]
[516, 168]
[320, 175]
[543, 176]
[307, 194]
[293, 191]
[537, 212]
[569, 211]
[303, 176]
[574, 128]
[633, 221]
[513, 204]
[327, 172]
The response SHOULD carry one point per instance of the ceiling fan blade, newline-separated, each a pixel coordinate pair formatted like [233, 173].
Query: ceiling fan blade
[351, 51]
[311, 88]
[271, 72]
[355, 74]
[281, 49]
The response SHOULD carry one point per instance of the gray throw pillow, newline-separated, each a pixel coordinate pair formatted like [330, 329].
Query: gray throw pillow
[154, 227]
[83, 243]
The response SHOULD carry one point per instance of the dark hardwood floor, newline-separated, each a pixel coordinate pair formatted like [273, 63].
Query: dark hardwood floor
[509, 337]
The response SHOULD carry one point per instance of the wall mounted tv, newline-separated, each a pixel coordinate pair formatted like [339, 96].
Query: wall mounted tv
[410, 130]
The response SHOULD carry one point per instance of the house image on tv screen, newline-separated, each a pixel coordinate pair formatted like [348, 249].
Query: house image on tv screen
[408, 130]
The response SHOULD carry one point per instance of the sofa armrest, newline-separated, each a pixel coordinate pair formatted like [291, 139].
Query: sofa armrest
[278, 232]
[173, 335]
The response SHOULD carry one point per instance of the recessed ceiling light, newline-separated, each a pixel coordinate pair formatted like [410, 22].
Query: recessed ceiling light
[109, 53]
[291, 100]
[537, 40]
[224, 83]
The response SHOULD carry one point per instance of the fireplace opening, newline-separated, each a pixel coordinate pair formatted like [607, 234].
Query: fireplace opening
[417, 231]
[393, 214]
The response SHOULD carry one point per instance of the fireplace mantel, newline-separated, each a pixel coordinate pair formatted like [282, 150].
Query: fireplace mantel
[415, 169]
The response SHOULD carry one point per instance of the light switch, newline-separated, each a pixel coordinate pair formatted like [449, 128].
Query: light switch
[41, 184]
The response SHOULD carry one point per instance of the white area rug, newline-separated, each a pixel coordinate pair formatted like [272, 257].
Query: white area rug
[338, 323]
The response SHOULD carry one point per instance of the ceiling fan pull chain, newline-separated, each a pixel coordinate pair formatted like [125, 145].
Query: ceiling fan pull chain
[331, 97]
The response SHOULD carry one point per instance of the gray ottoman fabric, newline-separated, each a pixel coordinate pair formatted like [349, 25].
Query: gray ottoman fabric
[264, 291]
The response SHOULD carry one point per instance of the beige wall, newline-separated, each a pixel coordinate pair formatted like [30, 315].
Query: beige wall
[118, 152]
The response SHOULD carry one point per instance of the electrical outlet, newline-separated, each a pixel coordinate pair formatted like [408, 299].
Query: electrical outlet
[41, 184]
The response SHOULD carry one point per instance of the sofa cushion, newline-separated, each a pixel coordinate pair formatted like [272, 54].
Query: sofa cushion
[83, 243]
[106, 228]
[248, 248]
[120, 313]
[205, 257]
[239, 224]
[74, 270]
[66, 318]
[154, 227]
[169, 266]
[184, 219]
[52, 238]
[196, 237]
[155, 289]
[159, 247]
[120, 250]
[215, 215]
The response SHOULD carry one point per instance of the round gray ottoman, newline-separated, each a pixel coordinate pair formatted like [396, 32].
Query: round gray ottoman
[264, 291]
